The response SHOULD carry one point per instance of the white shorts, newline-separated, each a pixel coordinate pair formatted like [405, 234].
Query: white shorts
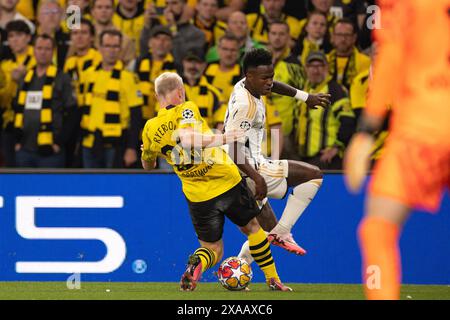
[275, 173]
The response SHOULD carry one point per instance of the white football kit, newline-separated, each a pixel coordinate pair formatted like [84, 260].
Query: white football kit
[249, 113]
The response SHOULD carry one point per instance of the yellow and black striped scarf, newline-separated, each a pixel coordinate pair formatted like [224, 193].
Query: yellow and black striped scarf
[350, 68]
[72, 67]
[76, 66]
[307, 47]
[110, 127]
[147, 73]
[45, 139]
[212, 32]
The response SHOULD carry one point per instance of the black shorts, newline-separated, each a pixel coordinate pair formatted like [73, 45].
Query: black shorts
[208, 217]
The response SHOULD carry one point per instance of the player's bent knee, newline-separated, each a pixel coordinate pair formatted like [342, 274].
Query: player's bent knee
[251, 227]
[316, 173]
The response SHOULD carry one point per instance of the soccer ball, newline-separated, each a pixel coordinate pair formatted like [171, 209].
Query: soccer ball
[235, 274]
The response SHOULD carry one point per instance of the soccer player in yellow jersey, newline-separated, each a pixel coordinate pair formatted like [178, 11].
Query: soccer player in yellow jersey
[211, 181]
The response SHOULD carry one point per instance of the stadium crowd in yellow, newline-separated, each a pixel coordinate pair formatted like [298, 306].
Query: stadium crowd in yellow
[204, 42]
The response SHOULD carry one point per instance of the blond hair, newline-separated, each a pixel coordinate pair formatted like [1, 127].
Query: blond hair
[167, 82]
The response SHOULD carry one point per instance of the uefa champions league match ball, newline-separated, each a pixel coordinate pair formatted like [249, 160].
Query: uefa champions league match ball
[234, 274]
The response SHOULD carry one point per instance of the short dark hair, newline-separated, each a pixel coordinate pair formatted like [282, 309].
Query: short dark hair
[346, 21]
[111, 32]
[255, 58]
[17, 26]
[317, 13]
[45, 37]
[94, 1]
[284, 23]
[228, 36]
[89, 24]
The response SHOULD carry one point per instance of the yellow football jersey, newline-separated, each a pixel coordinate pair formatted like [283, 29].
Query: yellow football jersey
[205, 173]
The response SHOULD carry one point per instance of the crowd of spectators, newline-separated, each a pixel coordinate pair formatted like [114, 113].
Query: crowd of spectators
[76, 90]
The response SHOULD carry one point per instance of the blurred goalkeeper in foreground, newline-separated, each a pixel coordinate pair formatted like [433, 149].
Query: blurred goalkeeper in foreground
[414, 73]
[211, 181]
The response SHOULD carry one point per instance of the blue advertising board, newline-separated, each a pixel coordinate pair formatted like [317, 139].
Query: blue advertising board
[136, 227]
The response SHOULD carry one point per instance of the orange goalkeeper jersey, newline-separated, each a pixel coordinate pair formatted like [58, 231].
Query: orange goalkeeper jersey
[412, 68]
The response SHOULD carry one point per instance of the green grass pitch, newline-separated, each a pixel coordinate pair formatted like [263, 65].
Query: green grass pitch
[205, 291]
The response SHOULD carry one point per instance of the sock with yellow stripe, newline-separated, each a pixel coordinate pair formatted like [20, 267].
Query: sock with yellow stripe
[207, 256]
[260, 251]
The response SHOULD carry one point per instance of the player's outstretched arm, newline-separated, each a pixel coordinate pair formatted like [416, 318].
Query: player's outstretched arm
[311, 100]
[190, 138]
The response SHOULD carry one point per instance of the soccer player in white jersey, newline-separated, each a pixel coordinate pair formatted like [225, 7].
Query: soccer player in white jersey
[270, 178]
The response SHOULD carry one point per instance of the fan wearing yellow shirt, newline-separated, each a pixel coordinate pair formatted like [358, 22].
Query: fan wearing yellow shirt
[150, 65]
[205, 19]
[225, 73]
[208, 99]
[287, 69]
[85, 56]
[325, 8]
[112, 109]
[102, 18]
[129, 19]
[315, 36]
[19, 37]
[272, 10]
[210, 180]
[345, 61]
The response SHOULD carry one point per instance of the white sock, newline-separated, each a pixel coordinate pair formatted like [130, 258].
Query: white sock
[245, 252]
[297, 202]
